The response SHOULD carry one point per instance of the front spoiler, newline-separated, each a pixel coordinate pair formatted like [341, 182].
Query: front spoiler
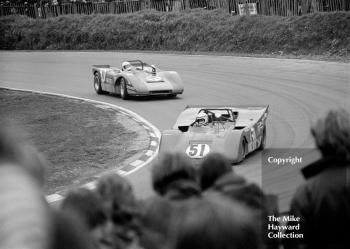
[153, 94]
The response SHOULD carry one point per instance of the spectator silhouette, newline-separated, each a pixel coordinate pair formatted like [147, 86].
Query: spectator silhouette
[26, 220]
[156, 219]
[212, 168]
[69, 232]
[323, 201]
[123, 210]
[87, 206]
[174, 177]
[24, 214]
[216, 175]
[215, 222]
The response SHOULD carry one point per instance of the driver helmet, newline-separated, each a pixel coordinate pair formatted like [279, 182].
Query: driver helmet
[202, 119]
[126, 65]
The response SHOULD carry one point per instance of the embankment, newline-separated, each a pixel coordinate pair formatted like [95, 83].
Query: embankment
[325, 34]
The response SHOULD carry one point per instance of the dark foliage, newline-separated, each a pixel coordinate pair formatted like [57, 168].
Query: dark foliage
[194, 30]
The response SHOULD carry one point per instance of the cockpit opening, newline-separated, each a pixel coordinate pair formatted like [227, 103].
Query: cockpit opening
[210, 116]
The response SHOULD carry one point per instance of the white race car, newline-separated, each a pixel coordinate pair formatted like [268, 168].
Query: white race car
[234, 131]
[136, 78]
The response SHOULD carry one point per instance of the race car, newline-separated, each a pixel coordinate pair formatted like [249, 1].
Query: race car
[234, 131]
[136, 78]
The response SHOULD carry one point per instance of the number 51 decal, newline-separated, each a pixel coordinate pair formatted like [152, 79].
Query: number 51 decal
[197, 150]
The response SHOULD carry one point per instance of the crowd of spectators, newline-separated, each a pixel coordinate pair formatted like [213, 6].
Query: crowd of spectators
[205, 207]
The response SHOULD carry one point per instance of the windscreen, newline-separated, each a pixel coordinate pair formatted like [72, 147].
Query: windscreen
[217, 112]
[139, 65]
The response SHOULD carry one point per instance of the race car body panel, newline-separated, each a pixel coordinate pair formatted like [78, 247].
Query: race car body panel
[141, 79]
[231, 131]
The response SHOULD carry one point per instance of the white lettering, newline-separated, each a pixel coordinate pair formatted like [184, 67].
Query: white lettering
[280, 235]
[282, 161]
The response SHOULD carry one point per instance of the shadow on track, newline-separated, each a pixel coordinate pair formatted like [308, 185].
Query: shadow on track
[147, 98]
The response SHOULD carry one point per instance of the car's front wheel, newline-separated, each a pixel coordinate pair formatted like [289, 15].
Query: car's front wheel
[97, 84]
[123, 90]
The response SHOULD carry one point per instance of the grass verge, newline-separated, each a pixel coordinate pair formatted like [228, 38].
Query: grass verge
[79, 139]
[319, 34]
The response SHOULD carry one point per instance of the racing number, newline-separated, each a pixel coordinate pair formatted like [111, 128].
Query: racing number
[197, 150]
[193, 150]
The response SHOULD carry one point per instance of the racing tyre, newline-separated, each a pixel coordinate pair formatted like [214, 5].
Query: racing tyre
[97, 84]
[123, 90]
[263, 140]
[244, 150]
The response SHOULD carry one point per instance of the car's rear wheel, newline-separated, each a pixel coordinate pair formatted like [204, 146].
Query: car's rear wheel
[173, 95]
[123, 90]
[97, 83]
[244, 150]
[263, 140]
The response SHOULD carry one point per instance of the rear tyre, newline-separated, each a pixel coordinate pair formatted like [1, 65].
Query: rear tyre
[97, 84]
[263, 140]
[123, 90]
[172, 95]
[244, 150]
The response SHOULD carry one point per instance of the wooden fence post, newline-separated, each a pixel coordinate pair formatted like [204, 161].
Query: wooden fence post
[1, 11]
[187, 4]
[74, 8]
[35, 10]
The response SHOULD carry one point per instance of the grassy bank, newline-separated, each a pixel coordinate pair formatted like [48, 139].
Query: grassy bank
[195, 30]
[79, 139]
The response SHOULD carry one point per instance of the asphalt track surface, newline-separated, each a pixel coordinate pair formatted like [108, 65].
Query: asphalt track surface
[297, 91]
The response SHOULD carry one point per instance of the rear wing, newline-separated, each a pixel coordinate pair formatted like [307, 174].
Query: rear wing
[96, 68]
[246, 113]
[248, 107]
[101, 66]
